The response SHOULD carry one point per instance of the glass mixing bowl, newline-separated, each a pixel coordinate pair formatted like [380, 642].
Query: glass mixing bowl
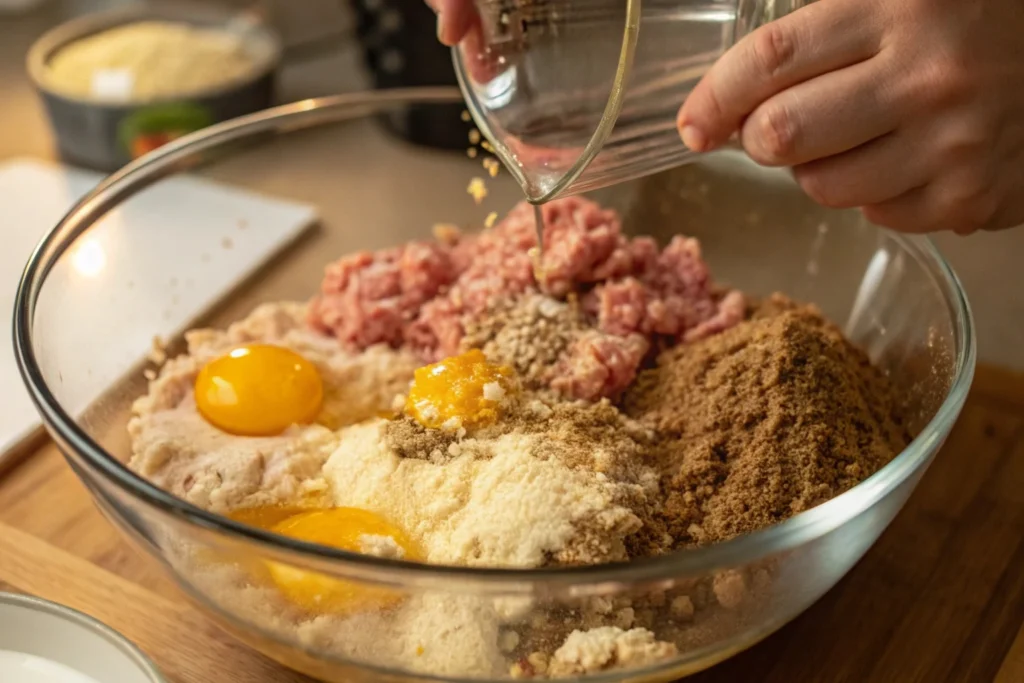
[895, 295]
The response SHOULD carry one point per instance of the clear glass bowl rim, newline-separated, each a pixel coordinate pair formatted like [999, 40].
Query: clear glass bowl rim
[170, 159]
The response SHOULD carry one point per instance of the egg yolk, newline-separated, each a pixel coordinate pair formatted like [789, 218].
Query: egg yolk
[461, 391]
[266, 517]
[259, 390]
[348, 529]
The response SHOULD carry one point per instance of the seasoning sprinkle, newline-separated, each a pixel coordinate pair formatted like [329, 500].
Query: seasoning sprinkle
[477, 189]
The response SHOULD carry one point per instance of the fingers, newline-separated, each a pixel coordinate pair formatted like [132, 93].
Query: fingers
[822, 117]
[878, 171]
[909, 212]
[454, 17]
[937, 206]
[821, 37]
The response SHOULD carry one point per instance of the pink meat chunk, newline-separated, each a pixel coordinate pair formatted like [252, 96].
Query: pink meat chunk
[599, 365]
[368, 298]
[421, 295]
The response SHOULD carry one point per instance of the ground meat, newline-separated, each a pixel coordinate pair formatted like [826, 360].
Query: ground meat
[669, 294]
[423, 296]
[599, 365]
[368, 298]
[583, 244]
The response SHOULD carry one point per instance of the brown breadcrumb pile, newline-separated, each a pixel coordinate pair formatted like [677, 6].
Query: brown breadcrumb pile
[763, 421]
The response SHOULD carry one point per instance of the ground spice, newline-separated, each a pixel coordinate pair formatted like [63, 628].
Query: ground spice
[409, 439]
[763, 421]
[530, 335]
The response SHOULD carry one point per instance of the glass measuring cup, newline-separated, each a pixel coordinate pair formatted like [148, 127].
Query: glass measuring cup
[575, 95]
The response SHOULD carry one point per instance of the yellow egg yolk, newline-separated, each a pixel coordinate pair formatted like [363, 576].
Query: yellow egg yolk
[461, 391]
[267, 517]
[350, 529]
[259, 390]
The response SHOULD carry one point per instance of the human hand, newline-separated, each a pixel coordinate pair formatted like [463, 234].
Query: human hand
[910, 109]
[454, 18]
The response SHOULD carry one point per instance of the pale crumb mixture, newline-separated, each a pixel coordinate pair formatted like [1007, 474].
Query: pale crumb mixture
[515, 500]
[381, 546]
[177, 449]
[607, 647]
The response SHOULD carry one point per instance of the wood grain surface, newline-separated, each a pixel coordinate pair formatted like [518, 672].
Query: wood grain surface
[939, 599]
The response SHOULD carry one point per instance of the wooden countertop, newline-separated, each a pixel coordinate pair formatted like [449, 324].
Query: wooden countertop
[939, 599]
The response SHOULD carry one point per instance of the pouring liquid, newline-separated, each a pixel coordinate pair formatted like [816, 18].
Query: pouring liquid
[537, 253]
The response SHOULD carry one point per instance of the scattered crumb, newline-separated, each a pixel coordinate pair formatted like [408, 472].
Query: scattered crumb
[149, 374]
[477, 189]
[381, 546]
[682, 607]
[508, 641]
[472, 152]
[730, 589]
[491, 219]
[608, 647]
[447, 233]
[474, 136]
[227, 243]
[158, 351]
[536, 664]
[492, 166]
[464, 116]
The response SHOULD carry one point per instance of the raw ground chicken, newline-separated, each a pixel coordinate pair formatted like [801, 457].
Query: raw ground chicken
[424, 294]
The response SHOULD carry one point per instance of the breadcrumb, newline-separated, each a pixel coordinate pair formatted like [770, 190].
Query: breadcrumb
[446, 233]
[158, 351]
[477, 189]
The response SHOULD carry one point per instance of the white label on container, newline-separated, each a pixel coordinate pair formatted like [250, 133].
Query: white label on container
[112, 84]
[18, 667]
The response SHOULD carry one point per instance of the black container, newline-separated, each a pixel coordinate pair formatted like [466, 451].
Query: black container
[401, 50]
[106, 136]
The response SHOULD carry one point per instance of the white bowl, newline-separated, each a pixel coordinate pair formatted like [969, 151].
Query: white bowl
[43, 642]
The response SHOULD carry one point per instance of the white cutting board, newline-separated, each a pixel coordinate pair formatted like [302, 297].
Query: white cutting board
[191, 241]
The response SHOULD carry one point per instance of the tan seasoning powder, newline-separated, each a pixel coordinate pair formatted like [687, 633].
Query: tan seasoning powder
[763, 421]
